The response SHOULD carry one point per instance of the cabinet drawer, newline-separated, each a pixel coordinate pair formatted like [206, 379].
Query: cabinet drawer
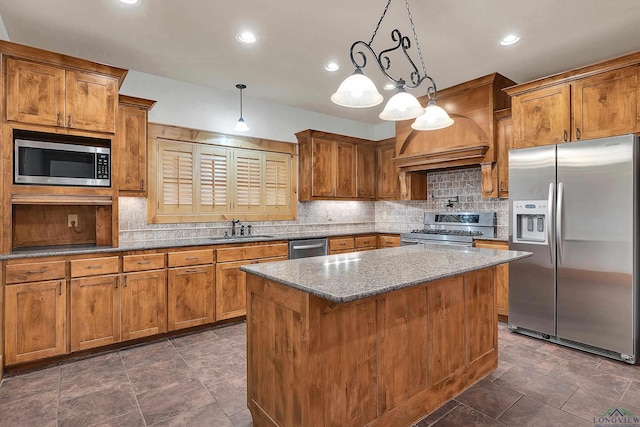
[366, 242]
[387, 241]
[239, 253]
[491, 244]
[94, 266]
[142, 262]
[35, 272]
[183, 259]
[340, 243]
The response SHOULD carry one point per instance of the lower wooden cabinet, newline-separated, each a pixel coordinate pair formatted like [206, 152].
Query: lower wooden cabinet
[388, 240]
[95, 311]
[231, 287]
[35, 321]
[143, 304]
[190, 297]
[502, 275]
[341, 245]
[367, 242]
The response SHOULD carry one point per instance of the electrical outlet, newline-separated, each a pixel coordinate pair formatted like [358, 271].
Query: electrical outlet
[72, 220]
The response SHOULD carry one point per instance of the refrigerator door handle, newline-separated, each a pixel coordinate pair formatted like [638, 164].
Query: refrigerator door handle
[559, 221]
[550, 221]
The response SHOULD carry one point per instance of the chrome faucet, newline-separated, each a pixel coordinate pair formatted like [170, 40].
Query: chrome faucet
[233, 226]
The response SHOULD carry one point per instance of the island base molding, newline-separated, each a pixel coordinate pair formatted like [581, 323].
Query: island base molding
[386, 360]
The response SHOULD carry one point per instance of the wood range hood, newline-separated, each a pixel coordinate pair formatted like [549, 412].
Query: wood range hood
[470, 141]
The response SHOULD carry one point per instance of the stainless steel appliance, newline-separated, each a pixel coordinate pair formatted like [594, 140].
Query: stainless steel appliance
[307, 248]
[452, 228]
[54, 163]
[574, 206]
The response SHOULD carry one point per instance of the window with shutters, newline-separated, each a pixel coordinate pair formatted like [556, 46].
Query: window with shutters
[206, 182]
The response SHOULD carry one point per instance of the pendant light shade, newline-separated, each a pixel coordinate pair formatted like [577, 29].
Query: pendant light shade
[357, 91]
[241, 126]
[402, 106]
[433, 118]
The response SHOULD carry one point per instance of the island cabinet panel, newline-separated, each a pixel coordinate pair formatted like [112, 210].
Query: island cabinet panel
[386, 360]
[401, 318]
[445, 341]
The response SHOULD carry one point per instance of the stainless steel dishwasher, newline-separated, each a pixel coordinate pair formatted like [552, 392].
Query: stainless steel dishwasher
[307, 248]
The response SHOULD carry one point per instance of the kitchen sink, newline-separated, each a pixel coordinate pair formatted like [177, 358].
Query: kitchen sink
[245, 237]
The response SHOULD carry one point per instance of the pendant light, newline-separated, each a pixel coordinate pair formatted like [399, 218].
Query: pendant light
[241, 126]
[434, 117]
[358, 91]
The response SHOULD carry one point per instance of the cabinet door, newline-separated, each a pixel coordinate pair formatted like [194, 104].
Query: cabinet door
[541, 117]
[388, 183]
[504, 142]
[323, 168]
[35, 93]
[231, 290]
[345, 169]
[35, 321]
[132, 150]
[143, 304]
[95, 312]
[91, 101]
[366, 171]
[606, 104]
[190, 297]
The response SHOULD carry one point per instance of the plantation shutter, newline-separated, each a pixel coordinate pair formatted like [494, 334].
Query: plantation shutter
[248, 181]
[175, 173]
[277, 182]
[214, 178]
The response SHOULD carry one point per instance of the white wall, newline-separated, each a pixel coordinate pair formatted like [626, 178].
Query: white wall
[190, 105]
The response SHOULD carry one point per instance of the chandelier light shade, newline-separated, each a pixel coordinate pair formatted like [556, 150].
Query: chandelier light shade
[433, 118]
[241, 126]
[358, 91]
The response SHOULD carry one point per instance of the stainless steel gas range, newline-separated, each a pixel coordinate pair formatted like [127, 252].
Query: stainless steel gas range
[447, 228]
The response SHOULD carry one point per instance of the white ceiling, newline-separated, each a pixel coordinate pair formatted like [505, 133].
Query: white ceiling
[194, 40]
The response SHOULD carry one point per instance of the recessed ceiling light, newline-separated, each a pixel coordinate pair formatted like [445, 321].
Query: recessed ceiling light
[246, 37]
[129, 1]
[389, 86]
[332, 66]
[509, 40]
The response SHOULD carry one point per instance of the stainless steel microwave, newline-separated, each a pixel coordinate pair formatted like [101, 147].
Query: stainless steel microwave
[52, 163]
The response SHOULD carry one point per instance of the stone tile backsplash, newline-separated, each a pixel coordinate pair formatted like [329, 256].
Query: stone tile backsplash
[333, 216]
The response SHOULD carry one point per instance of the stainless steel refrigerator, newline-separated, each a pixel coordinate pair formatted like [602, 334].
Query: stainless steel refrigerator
[574, 205]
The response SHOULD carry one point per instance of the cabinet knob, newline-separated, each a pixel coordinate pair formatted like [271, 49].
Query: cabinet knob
[577, 133]
[142, 185]
[566, 136]
[59, 288]
[69, 122]
[59, 121]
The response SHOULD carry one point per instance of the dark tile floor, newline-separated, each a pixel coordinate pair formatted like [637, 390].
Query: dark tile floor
[200, 380]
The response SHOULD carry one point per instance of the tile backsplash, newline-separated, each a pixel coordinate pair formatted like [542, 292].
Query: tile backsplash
[333, 216]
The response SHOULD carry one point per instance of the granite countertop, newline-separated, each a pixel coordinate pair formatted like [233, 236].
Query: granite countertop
[352, 276]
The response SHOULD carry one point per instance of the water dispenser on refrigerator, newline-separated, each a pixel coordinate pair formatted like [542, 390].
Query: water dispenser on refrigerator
[530, 221]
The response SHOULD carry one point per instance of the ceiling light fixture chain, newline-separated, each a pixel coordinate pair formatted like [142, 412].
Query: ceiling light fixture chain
[359, 91]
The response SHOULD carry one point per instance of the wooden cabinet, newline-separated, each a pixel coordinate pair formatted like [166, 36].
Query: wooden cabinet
[387, 182]
[95, 311]
[144, 296]
[388, 240]
[54, 96]
[501, 277]
[366, 243]
[597, 101]
[335, 166]
[231, 286]
[35, 320]
[130, 151]
[340, 245]
[504, 142]
[191, 282]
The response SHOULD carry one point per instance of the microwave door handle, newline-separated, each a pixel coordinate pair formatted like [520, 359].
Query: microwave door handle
[550, 220]
[559, 221]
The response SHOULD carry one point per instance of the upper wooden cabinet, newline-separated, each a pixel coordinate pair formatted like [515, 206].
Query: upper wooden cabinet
[597, 101]
[54, 96]
[388, 184]
[504, 142]
[335, 167]
[130, 153]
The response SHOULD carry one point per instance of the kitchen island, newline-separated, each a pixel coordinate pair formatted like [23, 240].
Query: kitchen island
[377, 338]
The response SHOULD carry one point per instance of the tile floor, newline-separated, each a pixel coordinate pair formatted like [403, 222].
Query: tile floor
[200, 380]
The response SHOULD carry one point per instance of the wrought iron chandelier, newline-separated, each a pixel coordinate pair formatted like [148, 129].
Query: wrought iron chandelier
[358, 91]
[241, 126]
